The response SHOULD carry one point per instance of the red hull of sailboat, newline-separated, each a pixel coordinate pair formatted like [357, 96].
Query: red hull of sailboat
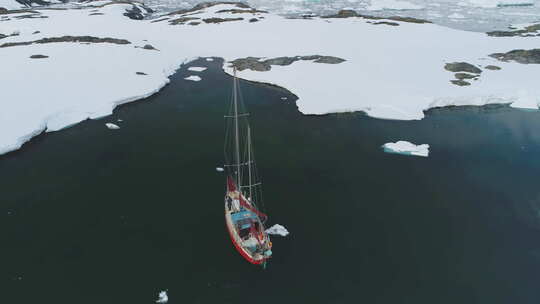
[242, 252]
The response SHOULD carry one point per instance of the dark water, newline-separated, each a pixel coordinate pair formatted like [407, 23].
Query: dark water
[92, 215]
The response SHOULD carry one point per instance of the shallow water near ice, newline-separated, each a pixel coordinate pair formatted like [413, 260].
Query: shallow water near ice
[92, 215]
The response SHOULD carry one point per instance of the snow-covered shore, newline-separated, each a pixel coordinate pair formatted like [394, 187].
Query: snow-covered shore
[392, 69]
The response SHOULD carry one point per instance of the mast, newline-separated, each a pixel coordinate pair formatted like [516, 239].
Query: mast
[249, 162]
[236, 137]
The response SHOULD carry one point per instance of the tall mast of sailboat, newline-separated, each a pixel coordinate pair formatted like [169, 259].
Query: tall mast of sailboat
[249, 162]
[236, 137]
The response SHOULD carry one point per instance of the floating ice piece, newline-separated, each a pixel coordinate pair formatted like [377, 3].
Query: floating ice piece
[193, 78]
[209, 59]
[406, 148]
[197, 69]
[283, 98]
[162, 297]
[120, 120]
[219, 169]
[112, 126]
[497, 3]
[277, 229]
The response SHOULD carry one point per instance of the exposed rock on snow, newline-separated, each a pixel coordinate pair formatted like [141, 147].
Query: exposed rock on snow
[406, 148]
[193, 78]
[277, 229]
[255, 64]
[162, 297]
[38, 56]
[520, 56]
[112, 126]
[220, 20]
[85, 39]
[528, 31]
[492, 67]
[351, 13]
[462, 67]
[460, 82]
[196, 69]
[140, 73]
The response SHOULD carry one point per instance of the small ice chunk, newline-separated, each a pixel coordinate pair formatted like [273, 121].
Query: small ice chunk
[193, 78]
[283, 98]
[209, 59]
[162, 297]
[112, 126]
[277, 229]
[406, 148]
[219, 169]
[120, 120]
[197, 69]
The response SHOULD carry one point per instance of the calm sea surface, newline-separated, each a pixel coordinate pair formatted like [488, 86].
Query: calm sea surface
[92, 215]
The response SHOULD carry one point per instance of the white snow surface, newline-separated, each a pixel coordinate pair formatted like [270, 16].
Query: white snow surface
[197, 69]
[162, 297]
[193, 78]
[393, 72]
[277, 229]
[407, 148]
[112, 126]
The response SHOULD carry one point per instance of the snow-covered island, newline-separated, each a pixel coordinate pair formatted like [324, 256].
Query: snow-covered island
[406, 148]
[74, 55]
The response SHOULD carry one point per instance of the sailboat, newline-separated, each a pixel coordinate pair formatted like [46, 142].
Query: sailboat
[243, 197]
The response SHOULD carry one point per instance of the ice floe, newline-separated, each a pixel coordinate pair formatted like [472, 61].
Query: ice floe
[112, 126]
[277, 229]
[209, 59]
[406, 148]
[197, 69]
[162, 297]
[497, 3]
[81, 80]
[219, 169]
[193, 78]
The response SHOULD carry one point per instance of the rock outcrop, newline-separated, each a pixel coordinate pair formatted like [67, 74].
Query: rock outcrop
[255, 63]
[85, 39]
[351, 13]
[462, 67]
[520, 56]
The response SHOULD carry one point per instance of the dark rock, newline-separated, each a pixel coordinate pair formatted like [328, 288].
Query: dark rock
[239, 11]
[520, 56]
[38, 56]
[492, 67]
[460, 83]
[462, 67]
[462, 76]
[253, 20]
[3, 10]
[149, 47]
[96, 14]
[220, 20]
[255, 64]
[36, 32]
[351, 13]
[343, 14]
[80, 39]
[386, 23]
[194, 23]
[528, 31]
[140, 73]
[204, 5]
[182, 20]
[251, 63]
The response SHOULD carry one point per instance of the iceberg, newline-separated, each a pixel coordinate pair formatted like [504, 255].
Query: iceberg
[392, 5]
[277, 229]
[112, 126]
[219, 169]
[197, 69]
[193, 78]
[162, 297]
[406, 148]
